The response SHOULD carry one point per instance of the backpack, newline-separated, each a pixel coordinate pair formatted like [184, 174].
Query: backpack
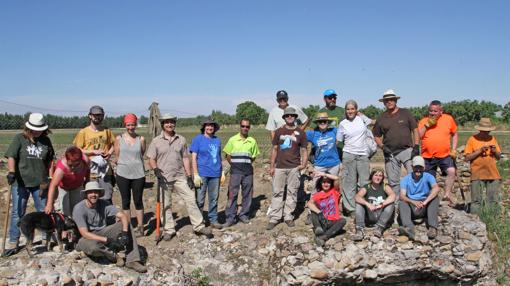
[370, 143]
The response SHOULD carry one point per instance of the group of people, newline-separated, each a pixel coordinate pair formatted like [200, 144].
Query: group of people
[342, 143]
[80, 184]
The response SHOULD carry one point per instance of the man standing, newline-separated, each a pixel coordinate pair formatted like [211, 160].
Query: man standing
[275, 119]
[100, 239]
[241, 150]
[438, 134]
[169, 158]
[335, 113]
[418, 199]
[97, 141]
[288, 158]
[394, 132]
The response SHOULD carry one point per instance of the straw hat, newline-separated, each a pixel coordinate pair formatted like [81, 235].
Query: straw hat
[167, 116]
[36, 122]
[321, 116]
[389, 94]
[485, 124]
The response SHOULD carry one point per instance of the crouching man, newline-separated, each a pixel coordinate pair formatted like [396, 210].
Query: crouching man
[101, 236]
[418, 199]
[374, 205]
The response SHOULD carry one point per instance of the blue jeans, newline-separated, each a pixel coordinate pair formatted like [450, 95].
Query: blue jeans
[212, 186]
[20, 197]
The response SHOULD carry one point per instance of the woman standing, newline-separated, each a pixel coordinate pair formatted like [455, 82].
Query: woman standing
[352, 131]
[71, 174]
[207, 169]
[29, 161]
[129, 149]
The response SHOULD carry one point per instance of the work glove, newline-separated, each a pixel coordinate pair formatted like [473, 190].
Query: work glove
[430, 122]
[386, 151]
[197, 180]
[159, 175]
[113, 244]
[190, 182]
[453, 154]
[416, 151]
[322, 219]
[11, 177]
[222, 179]
[123, 239]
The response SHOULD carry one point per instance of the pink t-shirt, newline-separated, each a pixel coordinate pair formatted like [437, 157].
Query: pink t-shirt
[72, 180]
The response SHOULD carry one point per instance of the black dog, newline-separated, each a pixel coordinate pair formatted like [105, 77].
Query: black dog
[54, 223]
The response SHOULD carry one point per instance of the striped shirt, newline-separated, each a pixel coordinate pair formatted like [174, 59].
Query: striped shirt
[241, 151]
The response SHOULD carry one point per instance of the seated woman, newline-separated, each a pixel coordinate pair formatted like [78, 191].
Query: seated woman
[325, 207]
[374, 205]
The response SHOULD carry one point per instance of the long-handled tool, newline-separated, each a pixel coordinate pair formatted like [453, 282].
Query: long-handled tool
[6, 223]
[158, 212]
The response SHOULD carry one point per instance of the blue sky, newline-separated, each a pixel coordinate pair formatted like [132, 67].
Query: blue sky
[195, 56]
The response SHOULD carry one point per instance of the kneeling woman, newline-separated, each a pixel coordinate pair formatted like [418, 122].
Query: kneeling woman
[325, 207]
[374, 205]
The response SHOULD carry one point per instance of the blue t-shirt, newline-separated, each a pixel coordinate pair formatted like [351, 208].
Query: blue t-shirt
[324, 143]
[208, 152]
[418, 190]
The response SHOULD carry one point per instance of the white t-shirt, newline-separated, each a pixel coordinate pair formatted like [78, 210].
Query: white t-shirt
[275, 120]
[352, 133]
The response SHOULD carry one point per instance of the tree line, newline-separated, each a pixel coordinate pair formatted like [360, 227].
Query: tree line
[463, 111]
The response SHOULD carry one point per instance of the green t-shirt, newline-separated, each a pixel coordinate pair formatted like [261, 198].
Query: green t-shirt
[32, 160]
[375, 196]
[336, 115]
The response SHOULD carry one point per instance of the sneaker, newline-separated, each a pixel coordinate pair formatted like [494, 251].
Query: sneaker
[167, 236]
[290, 223]
[137, 266]
[270, 225]
[407, 232]
[319, 231]
[378, 231]
[244, 219]
[216, 225]
[205, 231]
[319, 241]
[359, 235]
[432, 232]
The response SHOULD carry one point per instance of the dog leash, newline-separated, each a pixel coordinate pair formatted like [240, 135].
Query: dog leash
[53, 219]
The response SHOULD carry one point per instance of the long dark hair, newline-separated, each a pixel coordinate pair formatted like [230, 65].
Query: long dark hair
[318, 184]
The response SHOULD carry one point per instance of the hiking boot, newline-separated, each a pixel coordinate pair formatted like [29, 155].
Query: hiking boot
[139, 231]
[319, 241]
[119, 260]
[378, 231]
[205, 231]
[137, 266]
[216, 225]
[319, 231]
[290, 223]
[432, 232]
[359, 235]
[407, 232]
[113, 257]
[270, 225]
[308, 220]
[229, 223]
[167, 236]
[244, 220]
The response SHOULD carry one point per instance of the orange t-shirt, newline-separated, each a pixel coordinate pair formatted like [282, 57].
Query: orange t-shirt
[436, 142]
[483, 167]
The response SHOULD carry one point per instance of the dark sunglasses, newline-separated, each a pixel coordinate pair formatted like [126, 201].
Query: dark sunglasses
[245, 126]
[289, 115]
[322, 122]
[331, 97]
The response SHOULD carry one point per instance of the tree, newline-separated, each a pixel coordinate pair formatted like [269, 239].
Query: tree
[371, 111]
[506, 112]
[311, 110]
[251, 111]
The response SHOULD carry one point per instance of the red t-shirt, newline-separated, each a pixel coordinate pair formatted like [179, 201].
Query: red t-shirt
[71, 180]
[327, 202]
